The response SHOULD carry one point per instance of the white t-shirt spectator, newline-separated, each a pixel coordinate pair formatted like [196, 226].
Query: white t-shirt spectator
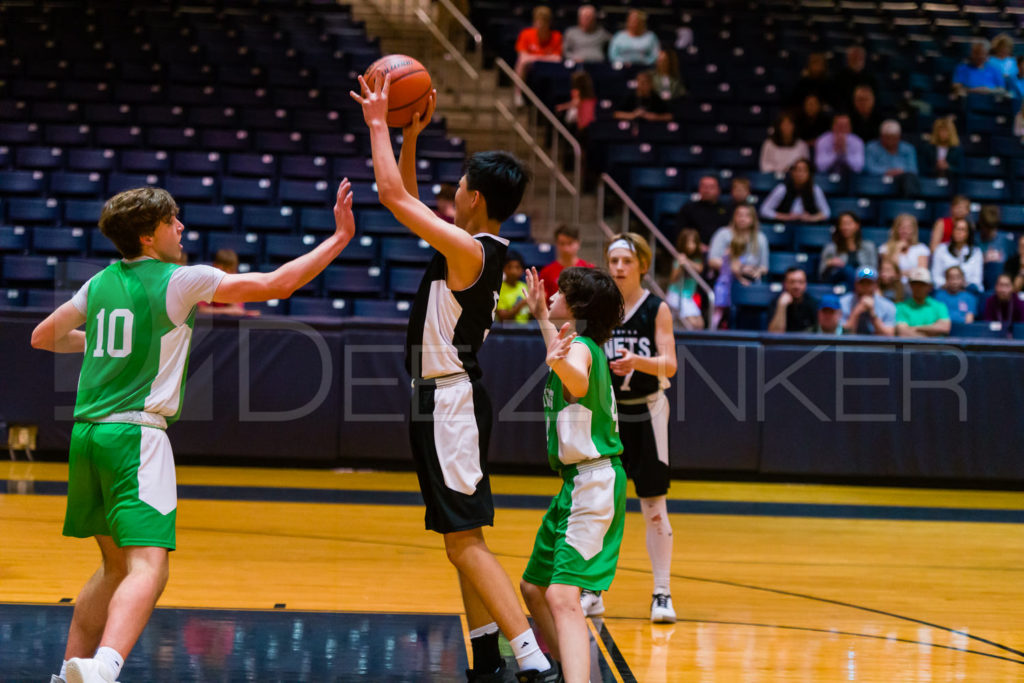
[909, 259]
[776, 159]
[970, 261]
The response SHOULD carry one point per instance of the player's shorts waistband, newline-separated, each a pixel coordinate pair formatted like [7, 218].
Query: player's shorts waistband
[135, 417]
[572, 470]
[641, 400]
[442, 381]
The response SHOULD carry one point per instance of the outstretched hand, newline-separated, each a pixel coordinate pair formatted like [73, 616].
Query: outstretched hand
[344, 221]
[536, 297]
[558, 350]
[374, 102]
[421, 121]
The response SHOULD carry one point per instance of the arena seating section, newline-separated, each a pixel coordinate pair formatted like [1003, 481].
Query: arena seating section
[240, 110]
[745, 59]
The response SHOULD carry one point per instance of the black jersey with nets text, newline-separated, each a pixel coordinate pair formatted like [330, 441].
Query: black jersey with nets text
[636, 335]
[447, 328]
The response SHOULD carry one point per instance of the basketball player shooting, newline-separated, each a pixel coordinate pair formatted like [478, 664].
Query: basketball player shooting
[451, 413]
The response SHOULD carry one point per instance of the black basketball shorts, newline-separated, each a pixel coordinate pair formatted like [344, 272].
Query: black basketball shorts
[643, 428]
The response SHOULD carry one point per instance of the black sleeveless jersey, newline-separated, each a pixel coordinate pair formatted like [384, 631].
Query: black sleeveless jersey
[635, 334]
[447, 328]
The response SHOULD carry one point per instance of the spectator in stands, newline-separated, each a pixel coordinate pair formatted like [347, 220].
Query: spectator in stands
[852, 75]
[904, 245]
[1014, 266]
[864, 117]
[1003, 60]
[812, 121]
[1018, 120]
[847, 253]
[794, 309]
[512, 303]
[739, 252]
[581, 109]
[667, 82]
[1005, 305]
[739, 192]
[814, 80]
[839, 150]
[890, 281]
[682, 286]
[830, 316]
[706, 213]
[921, 315]
[959, 251]
[634, 44]
[797, 198]
[891, 156]
[991, 240]
[567, 249]
[960, 303]
[977, 75]
[959, 207]
[587, 40]
[943, 157]
[783, 148]
[446, 202]
[227, 261]
[643, 103]
[864, 310]
[539, 43]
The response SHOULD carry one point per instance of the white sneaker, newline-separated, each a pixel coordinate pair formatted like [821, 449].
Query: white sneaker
[592, 603]
[54, 678]
[87, 671]
[661, 609]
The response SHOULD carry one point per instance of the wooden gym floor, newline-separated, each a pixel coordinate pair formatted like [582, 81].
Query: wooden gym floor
[313, 575]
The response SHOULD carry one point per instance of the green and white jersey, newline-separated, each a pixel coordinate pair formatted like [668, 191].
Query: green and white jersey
[138, 334]
[587, 429]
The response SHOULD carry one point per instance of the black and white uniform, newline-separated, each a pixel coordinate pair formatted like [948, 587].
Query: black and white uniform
[450, 424]
[643, 407]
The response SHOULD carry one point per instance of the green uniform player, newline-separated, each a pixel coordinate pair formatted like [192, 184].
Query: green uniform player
[139, 314]
[577, 545]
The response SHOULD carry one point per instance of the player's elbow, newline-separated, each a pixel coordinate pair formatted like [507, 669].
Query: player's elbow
[40, 338]
[670, 367]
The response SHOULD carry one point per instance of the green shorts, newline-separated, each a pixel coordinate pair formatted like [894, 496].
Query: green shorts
[579, 538]
[121, 483]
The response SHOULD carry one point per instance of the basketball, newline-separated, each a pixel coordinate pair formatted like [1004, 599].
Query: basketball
[410, 87]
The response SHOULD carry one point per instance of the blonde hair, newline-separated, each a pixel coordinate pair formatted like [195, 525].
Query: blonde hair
[1000, 40]
[640, 247]
[741, 243]
[894, 235]
[945, 122]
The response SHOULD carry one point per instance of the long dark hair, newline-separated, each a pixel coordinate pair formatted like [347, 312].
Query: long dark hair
[594, 299]
[776, 135]
[805, 193]
[837, 236]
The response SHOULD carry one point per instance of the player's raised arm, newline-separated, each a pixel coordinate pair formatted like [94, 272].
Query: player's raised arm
[463, 253]
[281, 283]
[407, 156]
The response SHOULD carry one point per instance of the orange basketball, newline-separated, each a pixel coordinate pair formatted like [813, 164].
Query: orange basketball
[410, 86]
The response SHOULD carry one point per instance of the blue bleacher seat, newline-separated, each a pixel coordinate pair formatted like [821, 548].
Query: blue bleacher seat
[667, 205]
[516, 228]
[117, 136]
[73, 273]
[268, 218]
[405, 250]
[67, 135]
[119, 182]
[354, 168]
[16, 133]
[980, 330]
[317, 220]
[318, 308]
[779, 235]
[89, 160]
[404, 281]
[100, 246]
[303, 166]
[818, 290]
[22, 182]
[272, 307]
[23, 271]
[811, 237]
[379, 222]
[876, 235]
[739, 159]
[634, 153]
[985, 190]
[226, 140]
[781, 261]
[213, 217]
[535, 255]
[286, 247]
[246, 164]
[46, 299]
[992, 270]
[373, 308]
[13, 239]
[171, 137]
[340, 144]
[280, 142]
[12, 298]
[201, 163]
[354, 280]
[247, 245]
[890, 208]
[683, 155]
[872, 186]
[316, 192]
[253, 190]
[665, 178]
[985, 167]
[191, 188]
[750, 305]
[1012, 216]
[77, 184]
[82, 212]
[144, 161]
[32, 211]
[936, 188]
[862, 207]
[361, 249]
[59, 240]
[47, 158]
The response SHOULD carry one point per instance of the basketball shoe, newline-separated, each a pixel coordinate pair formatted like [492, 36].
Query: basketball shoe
[592, 603]
[661, 609]
[87, 671]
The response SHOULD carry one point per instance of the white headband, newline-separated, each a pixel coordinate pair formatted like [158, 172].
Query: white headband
[621, 244]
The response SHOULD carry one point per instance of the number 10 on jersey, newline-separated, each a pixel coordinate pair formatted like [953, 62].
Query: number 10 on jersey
[117, 345]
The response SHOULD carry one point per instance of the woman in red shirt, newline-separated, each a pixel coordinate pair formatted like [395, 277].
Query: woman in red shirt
[537, 44]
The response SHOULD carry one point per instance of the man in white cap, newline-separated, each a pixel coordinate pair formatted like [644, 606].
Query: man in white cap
[921, 315]
[865, 311]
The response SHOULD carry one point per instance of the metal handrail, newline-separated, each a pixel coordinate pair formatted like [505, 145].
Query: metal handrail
[478, 39]
[628, 207]
[573, 186]
[447, 45]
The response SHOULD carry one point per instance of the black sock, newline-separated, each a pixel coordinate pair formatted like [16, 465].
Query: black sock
[486, 656]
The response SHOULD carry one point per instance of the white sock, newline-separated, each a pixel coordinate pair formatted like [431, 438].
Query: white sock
[110, 658]
[485, 630]
[527, 652]
[659, 541]
[63, 675]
